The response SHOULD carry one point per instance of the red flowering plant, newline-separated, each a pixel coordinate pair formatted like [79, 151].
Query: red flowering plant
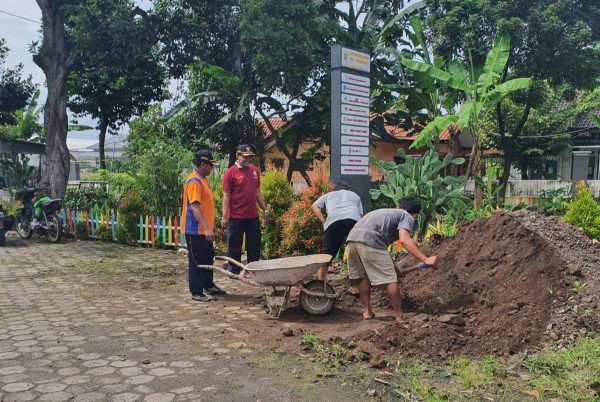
[302, 231]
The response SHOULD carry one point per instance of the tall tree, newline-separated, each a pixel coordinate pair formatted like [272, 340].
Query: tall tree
[15, 89]
[280, 56]
[545, 134]
[480, 89]
[552, 40]
[117, 72]
[54, 58]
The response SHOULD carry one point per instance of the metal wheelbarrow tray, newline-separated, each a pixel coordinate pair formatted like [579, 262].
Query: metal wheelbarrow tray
[316, 297]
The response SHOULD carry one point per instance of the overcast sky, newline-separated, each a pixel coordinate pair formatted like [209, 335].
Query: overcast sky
[19, 34]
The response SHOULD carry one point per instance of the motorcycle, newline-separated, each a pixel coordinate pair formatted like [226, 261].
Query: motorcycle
[47, 221]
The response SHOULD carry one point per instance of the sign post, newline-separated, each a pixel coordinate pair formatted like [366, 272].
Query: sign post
[350, 117]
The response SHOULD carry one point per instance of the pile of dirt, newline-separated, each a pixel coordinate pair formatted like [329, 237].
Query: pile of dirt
[503, 286]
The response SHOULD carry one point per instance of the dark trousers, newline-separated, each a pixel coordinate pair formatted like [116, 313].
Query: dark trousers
[236, 230]
[335, 236]
[200, 252]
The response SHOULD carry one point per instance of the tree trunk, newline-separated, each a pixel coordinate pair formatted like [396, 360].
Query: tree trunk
[54, 60]
[295, 165]
[474, 170]
[102, 140]
[508, 145]
[507, 164]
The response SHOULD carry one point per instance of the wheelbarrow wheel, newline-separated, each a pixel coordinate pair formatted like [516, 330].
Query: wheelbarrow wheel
[317, 305]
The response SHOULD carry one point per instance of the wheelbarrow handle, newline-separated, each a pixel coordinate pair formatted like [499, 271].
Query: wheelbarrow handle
[231, 261]
[231, 275]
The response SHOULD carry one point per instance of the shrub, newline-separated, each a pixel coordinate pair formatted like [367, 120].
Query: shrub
[85, 198]
[584, 212]
[215, 181]
[553, 202]
[279, 196]
[130, 208]
[80, 233]
[421, 177]
[103, 232]
[160, 176]
[123, 234]
[302, 231]
[158, 242]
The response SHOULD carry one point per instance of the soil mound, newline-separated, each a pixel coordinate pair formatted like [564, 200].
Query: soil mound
[503, 286]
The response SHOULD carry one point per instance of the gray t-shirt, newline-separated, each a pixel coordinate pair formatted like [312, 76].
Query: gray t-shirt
[380, 227]
[340, 204]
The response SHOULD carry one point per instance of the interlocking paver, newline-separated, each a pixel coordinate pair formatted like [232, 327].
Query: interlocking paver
[73, 329]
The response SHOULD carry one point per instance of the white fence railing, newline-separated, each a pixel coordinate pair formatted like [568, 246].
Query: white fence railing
[534, 188]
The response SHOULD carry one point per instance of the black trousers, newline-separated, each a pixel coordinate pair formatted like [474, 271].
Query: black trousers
[335, 236]
[237, 228]
[200, 252]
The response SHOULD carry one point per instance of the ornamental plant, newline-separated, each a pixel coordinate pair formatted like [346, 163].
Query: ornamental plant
[130, 208]
[86, 198]
[421, 177]
[584, 212]
[302, 231]
[279, 197]
[103, 233]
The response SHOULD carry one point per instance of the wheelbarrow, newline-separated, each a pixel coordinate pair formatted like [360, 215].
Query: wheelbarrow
[316, 297]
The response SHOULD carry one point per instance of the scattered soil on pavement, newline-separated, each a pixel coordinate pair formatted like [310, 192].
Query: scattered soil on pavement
[504, 285]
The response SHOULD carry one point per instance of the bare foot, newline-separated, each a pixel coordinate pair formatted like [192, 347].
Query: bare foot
[404, 317]
[368, 315]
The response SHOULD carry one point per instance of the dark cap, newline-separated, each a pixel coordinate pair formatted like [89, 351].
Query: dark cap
[245, 150]
[203, 156]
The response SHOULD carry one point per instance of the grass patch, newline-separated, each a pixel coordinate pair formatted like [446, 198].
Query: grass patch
[312, 341]
[570, 375]
[476, 374]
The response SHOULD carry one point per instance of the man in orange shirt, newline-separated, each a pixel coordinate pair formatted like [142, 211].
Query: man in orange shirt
[198, 226]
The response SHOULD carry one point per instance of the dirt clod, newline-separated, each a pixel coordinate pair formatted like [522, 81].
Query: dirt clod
[378, 362]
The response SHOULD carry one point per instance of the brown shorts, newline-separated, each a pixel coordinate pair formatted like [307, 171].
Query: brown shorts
[371, 263]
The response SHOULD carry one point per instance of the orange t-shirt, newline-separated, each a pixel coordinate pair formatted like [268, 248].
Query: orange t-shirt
[197, 189]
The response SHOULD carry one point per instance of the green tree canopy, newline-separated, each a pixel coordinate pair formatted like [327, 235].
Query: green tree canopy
[16, 90]
[552, 41]
[116, 74]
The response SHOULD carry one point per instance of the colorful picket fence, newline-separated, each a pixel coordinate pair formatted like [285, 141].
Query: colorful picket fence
[149, 227]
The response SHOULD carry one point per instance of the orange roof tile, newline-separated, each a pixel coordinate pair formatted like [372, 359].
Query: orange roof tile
[276, 122]
[401, 134]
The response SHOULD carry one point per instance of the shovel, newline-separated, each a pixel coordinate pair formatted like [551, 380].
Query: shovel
[421, 265]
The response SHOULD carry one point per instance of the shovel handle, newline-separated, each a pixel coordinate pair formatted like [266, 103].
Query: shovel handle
[421, 265]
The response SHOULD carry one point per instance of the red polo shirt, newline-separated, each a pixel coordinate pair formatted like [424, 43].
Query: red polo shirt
[242, 184]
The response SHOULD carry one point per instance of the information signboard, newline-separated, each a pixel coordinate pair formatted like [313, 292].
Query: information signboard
[350, 117]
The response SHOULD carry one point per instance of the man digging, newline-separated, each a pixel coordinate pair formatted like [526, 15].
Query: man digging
[368, 258]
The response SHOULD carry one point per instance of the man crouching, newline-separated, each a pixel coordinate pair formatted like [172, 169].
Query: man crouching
[368, 257]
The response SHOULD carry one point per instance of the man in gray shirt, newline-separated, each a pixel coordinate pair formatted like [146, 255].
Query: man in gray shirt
[343, 209]
[368, 258]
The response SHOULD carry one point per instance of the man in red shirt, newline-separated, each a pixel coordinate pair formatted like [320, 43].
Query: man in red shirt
[241, 192]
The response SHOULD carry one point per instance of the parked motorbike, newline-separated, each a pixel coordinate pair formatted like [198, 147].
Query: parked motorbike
[48, 221]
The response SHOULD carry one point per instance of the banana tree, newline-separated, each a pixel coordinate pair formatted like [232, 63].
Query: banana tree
[419, 176]
[481, 91]
[422, 87]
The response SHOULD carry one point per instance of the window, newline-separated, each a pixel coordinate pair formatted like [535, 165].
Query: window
[585, 165]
